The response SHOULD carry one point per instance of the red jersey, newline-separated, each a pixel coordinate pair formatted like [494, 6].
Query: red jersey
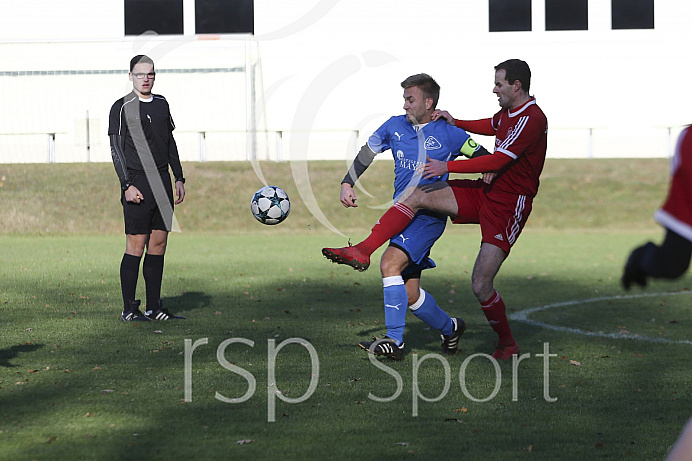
[676, 212]
[522, 134]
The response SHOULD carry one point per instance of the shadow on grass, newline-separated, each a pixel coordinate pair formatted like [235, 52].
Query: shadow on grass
[12, 352]
[187, 302]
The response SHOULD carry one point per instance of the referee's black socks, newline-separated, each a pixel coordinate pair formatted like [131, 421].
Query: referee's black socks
[129, 272]
[152, 269]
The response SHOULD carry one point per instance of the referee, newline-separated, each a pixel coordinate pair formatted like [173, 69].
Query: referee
[142, 146]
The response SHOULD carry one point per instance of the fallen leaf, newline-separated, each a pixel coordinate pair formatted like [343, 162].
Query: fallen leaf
[158, 332]
[51, 440]
[243, 442]
[404, 444]
[575, 363]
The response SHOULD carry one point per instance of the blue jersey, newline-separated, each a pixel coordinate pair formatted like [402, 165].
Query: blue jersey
[411, 145]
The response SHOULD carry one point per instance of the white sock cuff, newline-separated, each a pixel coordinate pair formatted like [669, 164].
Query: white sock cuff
[390, 281]
[419, 303]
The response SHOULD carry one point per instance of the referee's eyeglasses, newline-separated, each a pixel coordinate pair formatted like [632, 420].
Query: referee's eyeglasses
[141, 75]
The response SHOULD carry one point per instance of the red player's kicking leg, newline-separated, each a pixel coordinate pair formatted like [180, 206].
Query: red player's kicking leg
[392, 222]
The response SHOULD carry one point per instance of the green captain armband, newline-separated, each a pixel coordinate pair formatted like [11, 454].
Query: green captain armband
[469, 148]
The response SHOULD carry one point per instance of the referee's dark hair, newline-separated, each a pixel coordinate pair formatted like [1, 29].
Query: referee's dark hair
[427, 85]
[140, 58]
[516, 69]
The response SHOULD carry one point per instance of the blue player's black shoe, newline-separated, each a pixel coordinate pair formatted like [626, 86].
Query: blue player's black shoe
[450, 344]
[385, 346]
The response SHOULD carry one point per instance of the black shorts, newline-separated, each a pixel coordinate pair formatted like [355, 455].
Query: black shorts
[145, 216]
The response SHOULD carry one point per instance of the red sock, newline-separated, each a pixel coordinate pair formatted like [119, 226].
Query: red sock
[393, 221]
[494, 310]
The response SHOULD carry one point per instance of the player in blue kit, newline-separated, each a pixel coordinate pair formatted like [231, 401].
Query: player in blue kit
[411, 138]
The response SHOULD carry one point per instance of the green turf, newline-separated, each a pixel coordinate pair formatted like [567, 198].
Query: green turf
[76, 383]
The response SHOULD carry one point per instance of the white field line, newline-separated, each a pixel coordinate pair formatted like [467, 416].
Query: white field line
[523, 316]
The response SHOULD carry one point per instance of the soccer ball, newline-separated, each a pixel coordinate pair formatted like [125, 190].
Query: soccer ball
[270, 205]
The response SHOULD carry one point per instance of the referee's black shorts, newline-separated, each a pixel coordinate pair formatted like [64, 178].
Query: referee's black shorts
[145, 216]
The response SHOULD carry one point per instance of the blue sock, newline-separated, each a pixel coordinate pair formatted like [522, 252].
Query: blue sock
[395, 302]
[428, 311]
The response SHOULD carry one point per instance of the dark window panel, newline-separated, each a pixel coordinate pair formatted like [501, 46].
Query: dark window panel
[224, 17]
[632, 14]
[165, 17]
[566, 15]
[510, 15]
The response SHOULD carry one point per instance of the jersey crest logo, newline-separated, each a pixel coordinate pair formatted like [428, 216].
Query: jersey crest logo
[432, 144]
[399, 154]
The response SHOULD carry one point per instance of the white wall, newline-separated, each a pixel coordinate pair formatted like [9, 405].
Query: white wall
[330, 68]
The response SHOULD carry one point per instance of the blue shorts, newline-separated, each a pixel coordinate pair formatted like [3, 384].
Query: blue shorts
[417, 240]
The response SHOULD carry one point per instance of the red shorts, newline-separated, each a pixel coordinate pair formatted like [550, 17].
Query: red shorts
[502, 215]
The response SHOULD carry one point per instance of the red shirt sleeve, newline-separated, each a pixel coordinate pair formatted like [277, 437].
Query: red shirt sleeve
[484, 126]
[484, 164]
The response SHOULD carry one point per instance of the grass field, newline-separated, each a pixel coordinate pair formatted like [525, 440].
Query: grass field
[605, 373]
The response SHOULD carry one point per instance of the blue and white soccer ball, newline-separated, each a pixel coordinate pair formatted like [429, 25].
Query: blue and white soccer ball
[270, 205]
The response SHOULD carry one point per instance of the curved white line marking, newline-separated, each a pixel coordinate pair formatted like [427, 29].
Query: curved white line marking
[523, 316]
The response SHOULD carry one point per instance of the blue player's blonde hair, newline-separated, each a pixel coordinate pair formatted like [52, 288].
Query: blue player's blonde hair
[427, 85]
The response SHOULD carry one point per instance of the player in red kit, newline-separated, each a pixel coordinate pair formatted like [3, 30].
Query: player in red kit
[671, 259]
[500, 202]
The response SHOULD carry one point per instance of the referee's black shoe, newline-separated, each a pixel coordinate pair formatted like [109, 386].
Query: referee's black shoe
[132, 313]
[161, 313]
